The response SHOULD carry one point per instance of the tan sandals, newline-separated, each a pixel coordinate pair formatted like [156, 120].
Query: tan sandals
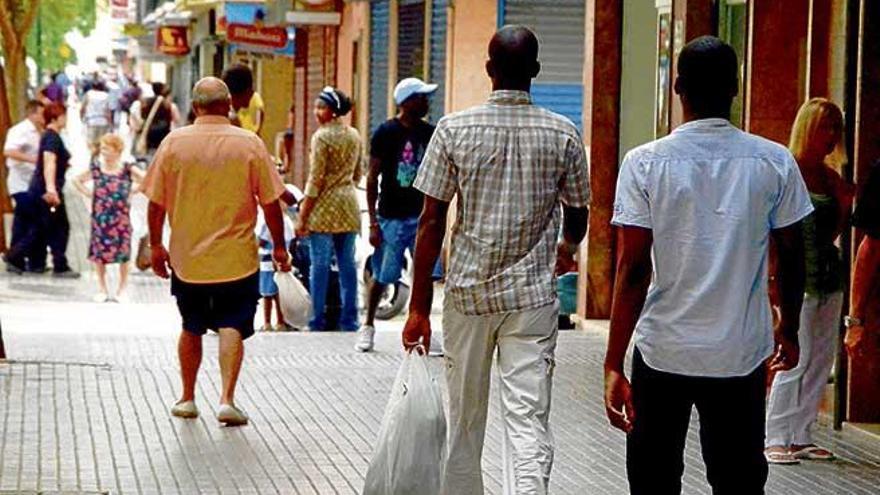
[795, 455]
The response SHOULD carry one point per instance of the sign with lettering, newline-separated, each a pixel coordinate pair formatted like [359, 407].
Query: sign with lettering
[262, 36]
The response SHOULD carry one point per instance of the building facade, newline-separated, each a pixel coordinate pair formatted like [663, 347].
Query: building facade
[609, 67]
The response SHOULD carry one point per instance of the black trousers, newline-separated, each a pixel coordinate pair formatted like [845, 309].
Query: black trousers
[731, 412]
[44, 227]
[25, 219]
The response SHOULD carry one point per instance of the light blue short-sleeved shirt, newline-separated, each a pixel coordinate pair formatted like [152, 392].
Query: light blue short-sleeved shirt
[711, 194]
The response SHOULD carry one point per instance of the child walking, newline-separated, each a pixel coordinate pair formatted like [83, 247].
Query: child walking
[112, 186]
[268, 287]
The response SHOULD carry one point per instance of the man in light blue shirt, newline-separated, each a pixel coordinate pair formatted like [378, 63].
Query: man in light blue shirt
[697, 210]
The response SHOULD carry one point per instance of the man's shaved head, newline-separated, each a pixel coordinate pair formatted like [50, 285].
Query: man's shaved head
[513, 57]
[707, 76]
[211, 97]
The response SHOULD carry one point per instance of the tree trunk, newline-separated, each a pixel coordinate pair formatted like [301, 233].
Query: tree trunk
[16, 81]
[5, 203]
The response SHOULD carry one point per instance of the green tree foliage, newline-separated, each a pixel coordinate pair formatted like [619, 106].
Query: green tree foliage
[55, 19]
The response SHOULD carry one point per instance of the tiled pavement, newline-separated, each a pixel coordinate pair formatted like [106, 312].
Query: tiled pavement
[83, 407]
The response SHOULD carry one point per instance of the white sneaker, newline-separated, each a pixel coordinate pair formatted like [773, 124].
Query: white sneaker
[231, 416]
[100, 297]
[366, 335]
[187, 410]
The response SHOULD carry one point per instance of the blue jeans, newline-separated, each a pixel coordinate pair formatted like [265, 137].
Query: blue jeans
[322, 247]
[398, 235]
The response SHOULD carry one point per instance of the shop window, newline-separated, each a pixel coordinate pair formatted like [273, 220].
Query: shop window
[733, 27]
[664, 73]
[411, 39]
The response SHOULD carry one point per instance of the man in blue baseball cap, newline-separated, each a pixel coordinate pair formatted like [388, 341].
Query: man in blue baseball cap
[396, 151]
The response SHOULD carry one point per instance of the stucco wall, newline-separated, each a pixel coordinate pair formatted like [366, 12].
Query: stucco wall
[355, 28]
[638, 81]
[473, 24]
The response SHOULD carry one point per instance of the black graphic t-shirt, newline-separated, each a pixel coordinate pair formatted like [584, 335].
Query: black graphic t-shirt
[400, 151]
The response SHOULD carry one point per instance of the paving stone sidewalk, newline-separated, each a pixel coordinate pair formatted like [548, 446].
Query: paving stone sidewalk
[83, 408]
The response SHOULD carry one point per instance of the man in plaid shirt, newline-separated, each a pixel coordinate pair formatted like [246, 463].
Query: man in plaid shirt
[513, 168]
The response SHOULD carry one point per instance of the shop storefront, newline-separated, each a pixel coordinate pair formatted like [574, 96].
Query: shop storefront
[559, 25]
[315, 66]
[408, 38]
[256, 35]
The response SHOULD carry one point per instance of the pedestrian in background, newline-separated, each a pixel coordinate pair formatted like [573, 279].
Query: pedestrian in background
[49, 212]
[113, 183]
[155, 122]
[817, 145]
[866, 272]
[697, 209]
[96, 114]
[20, 150]
[329, 214]
[246, 103]
[513, 167]
[268, 287]
[210, 178]
[396, 153]
[55, 90]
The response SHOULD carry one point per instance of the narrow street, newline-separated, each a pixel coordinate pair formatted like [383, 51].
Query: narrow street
[84, 405]
[334, 88]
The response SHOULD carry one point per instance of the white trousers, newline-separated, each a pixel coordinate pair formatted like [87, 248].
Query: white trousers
[525, 343]
[796, 394]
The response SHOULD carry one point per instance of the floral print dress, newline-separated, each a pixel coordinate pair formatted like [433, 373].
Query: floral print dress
[111, 221]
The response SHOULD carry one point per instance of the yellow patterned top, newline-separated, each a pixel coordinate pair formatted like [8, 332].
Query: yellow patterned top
[336, 163]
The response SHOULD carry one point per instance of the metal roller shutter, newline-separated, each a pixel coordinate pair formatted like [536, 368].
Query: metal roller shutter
[379, 15]
[411, 39]
[315, 74]
[559, 25]
[438, 57]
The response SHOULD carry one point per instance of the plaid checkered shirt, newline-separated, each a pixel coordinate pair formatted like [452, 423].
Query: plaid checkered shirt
[510, 164]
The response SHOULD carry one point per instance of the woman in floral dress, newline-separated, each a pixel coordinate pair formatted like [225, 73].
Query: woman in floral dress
[112, 187]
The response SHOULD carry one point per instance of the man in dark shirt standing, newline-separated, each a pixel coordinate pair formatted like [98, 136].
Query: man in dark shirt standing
[865, 278]
[396, 152]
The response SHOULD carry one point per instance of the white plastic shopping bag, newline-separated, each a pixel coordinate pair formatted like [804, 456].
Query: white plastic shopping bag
[411, 448]
[294, 298]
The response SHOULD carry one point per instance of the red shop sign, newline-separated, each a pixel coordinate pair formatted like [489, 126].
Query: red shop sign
[172, 40]
[263, 36]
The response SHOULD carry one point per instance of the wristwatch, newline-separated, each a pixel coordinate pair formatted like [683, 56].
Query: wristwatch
[852, 321]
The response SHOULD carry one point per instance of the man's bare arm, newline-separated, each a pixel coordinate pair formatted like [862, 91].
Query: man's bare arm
[630, 290]
[429, 242]
[865, 275]
[790, 277]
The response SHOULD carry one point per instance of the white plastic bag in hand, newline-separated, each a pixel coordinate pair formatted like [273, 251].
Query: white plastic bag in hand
[411, 448]
[296, 304]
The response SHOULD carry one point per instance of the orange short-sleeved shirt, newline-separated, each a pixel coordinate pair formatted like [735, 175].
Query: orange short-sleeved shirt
[210, 178]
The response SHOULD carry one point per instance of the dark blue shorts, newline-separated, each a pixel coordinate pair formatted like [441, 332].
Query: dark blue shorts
[221, 305]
